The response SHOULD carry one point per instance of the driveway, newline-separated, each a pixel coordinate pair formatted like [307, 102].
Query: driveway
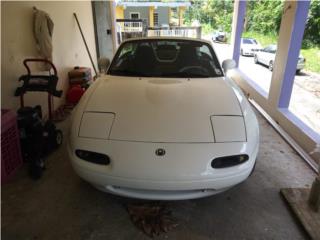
[305, 98]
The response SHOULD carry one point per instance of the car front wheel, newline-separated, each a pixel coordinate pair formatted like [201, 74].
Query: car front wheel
[271, 66]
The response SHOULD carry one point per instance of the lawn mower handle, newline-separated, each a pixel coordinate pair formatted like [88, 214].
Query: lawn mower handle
[25, 63]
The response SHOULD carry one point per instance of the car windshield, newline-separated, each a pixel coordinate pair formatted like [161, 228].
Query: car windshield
[249, 41]
[165, 58]
[271, 48]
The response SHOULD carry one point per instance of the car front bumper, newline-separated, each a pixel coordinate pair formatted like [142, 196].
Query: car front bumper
[248, 53]
[300, 66]
[184, 173]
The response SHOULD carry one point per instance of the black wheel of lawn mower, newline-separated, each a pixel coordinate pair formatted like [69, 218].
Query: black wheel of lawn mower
[270, 66]
[36, 168]
[58, 138]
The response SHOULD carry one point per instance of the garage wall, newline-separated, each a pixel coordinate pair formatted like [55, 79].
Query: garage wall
[18, 43]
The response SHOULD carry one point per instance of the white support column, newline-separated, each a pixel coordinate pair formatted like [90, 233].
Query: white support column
[281, 58]
[289, 43]
[113, 25]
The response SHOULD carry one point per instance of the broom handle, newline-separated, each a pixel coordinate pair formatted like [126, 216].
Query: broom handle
[85, 43]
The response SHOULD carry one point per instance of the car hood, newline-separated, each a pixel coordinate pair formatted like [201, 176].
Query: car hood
[163, 110]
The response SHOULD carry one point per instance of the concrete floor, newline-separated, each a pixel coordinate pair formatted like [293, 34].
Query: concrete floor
[62, 206]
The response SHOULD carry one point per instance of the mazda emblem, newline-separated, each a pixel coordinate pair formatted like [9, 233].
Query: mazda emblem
[160, 152]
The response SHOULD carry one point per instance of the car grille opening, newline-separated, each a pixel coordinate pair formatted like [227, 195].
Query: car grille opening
[93, 157]
[229, 161]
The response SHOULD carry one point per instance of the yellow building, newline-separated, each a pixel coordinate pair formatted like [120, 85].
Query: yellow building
[153, 13]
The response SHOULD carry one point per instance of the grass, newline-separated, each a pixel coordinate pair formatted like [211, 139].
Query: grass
[312, 55]
[263, 39]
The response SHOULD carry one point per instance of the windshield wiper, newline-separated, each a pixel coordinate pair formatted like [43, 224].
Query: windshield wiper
[185, 75]
[172, 75]
[128, 73]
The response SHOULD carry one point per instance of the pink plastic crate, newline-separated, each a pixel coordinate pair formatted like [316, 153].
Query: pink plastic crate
[11, 158]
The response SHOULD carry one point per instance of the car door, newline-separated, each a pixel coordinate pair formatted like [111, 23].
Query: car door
[262, 56]
[241, 43]
[270, 55]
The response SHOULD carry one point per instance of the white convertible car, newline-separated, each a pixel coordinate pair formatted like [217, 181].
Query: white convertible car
[164, 123]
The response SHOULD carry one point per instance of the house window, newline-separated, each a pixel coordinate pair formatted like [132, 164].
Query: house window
[134, 15]
[174, 12]
[155, 19]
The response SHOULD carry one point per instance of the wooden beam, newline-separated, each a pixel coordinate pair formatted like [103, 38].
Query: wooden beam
[181, 11]
[297, 199]
[151, 13]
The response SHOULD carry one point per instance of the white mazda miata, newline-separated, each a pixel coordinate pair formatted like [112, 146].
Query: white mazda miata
[164, 123]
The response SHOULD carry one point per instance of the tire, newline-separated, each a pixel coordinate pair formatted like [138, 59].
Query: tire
[255, 59]
[298, 71]
[270, 66]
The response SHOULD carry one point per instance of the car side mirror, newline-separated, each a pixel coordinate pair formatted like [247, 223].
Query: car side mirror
[228, 64]
[103, 64]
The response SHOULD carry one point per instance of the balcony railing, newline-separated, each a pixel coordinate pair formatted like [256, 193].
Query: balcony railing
[132, 28]
[189, 32]
[130, 25]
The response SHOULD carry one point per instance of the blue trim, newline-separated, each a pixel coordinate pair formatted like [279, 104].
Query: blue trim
[300, 124]
[238, 31]
[293, 53]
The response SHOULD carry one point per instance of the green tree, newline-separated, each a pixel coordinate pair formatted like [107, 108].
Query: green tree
[312, 30]
[262, 16]
[216, 13]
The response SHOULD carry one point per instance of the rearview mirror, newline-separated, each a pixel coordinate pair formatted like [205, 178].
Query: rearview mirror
[228, 64]
[103, 64]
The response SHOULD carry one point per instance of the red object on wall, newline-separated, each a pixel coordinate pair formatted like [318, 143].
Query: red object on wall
[11, 158]
[80, 76]
[74, 94]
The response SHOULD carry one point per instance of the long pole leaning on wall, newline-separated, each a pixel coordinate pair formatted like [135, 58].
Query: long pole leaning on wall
[85, 43]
